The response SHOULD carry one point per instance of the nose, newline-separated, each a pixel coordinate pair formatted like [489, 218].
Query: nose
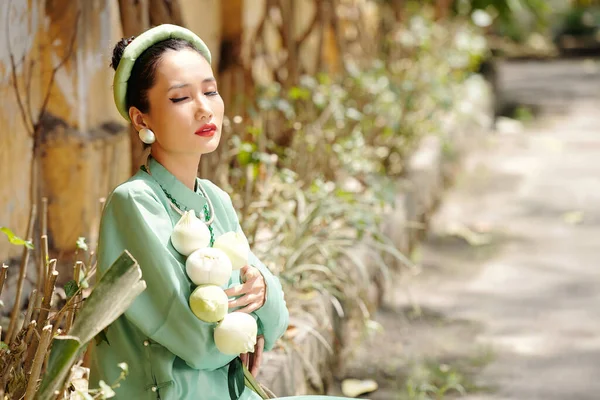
[203, 111]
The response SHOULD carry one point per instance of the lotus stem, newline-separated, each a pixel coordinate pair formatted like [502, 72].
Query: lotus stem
[30, 332]
[22, 272]
[45, 216]
[38, 305]
[71, 310]
[77, 271]
[3, 275]
[48, 291]
[90, 261]
[32, 339]
[30, 307]
[40, 356]
[43, 253]
[43, 265]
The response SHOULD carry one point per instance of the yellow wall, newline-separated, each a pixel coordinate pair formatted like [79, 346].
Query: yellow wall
[41, 31]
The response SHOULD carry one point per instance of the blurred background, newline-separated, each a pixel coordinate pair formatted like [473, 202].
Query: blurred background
[346, 122]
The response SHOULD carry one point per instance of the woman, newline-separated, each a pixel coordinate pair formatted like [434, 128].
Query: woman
[165, 87]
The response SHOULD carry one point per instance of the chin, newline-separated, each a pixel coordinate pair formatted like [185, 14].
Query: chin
[211, 145]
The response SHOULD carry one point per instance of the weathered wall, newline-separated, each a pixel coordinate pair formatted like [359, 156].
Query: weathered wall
[14, 144]
[40, 37]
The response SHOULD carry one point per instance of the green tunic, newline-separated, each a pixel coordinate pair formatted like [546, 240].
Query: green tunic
[170, 352]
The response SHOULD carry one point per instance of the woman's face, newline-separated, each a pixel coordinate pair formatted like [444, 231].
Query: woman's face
[186, 110]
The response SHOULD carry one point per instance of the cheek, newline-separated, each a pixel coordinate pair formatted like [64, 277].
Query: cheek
[219, 106]
[171, 120]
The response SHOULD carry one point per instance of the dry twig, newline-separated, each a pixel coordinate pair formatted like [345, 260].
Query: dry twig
[38, 362]
[22, 272]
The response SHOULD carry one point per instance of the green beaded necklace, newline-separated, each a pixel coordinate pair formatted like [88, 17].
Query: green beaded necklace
[175, 205]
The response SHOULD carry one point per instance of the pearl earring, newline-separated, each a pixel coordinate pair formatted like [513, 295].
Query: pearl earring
[146, 136]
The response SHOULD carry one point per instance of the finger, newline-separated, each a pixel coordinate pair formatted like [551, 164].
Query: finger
[250, 308]
[250, 360]
[244, 271]
[243, 301]
[257, 359]
[245, 360]
[238, 290]
[249, 273]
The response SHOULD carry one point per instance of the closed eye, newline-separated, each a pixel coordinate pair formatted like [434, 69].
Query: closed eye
[214, 93]
[178, 99]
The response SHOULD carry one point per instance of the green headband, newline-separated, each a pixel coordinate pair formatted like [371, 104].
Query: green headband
[138, 46]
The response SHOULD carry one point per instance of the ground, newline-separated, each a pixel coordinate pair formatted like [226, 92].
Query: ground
[509, 310]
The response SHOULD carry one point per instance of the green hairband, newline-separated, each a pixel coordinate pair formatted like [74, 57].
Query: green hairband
[138, 46]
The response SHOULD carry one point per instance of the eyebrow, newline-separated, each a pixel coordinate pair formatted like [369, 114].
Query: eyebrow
[182, 85]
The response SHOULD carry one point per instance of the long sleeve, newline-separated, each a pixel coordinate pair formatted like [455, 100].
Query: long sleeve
[136, 220]
[273, 316]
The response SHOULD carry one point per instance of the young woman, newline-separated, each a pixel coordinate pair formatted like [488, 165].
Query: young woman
[165, 87]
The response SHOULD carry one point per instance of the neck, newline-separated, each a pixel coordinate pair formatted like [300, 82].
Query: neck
[183, 167]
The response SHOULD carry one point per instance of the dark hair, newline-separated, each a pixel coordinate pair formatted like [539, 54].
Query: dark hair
[144, 69]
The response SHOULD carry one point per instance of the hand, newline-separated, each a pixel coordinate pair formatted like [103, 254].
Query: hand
[253, 290]
[252, 361]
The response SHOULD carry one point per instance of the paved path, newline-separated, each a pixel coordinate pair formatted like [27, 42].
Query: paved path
[521, 308]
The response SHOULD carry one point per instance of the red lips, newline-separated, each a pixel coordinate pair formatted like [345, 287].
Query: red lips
[207, 130]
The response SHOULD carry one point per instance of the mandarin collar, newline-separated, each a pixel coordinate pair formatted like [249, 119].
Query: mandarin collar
[183, 195]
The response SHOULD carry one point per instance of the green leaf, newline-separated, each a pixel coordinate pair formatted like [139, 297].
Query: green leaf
[253, 384]
[121, 283]
[297, 93]
[112, 295]
[65, 350]
[71, 288]
[14, 239]
[107, 391]
[81, 244]
[3, 345]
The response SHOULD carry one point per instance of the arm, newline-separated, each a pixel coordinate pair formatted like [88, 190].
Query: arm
[273, 316]
[134, 219]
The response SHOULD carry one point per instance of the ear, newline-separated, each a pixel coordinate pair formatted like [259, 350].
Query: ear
[137, 118]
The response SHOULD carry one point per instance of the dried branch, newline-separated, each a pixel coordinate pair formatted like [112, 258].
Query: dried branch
[31, 331]
[3, 275]
[48, 292]
[40, 356]
[38, 305]
[30, 307]
[22, 272]
[43, 264]
[28, 88]
[72, 310]
[44, 216]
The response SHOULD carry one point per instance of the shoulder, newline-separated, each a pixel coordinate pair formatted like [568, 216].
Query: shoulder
[137, 189]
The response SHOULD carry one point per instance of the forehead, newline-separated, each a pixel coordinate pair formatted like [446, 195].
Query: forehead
[184, 65]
